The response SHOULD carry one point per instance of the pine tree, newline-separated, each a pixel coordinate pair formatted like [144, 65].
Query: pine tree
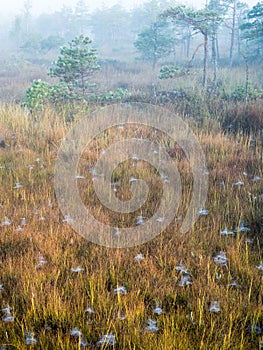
[76, 64]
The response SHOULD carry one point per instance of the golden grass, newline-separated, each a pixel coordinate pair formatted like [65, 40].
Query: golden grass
[51, 301]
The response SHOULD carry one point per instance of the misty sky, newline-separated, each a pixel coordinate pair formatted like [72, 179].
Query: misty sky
[39, 6]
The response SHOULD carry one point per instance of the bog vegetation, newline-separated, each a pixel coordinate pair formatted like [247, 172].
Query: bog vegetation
[200, 290]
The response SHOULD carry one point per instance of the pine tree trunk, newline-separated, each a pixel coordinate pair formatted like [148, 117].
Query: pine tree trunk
[233, 29]
[247, 80]
[214, 60]
[188, 43]
[239, 44]
[205, 60]
[217, 49]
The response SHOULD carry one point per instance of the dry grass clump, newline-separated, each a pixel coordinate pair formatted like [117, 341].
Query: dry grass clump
[55, 281]
[248, 118]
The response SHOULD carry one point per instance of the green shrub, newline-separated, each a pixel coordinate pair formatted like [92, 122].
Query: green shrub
[242, 92]
[37, 95]
[110, 96]
[170, 72]
[41, 93]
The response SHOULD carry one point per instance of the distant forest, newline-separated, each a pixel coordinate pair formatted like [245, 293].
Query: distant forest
[155, 31]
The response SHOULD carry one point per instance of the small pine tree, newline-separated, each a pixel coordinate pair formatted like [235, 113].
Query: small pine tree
[75, 65]
[155, 42]
[252, 31]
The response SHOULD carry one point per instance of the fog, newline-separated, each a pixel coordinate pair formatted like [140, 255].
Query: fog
[34, 30]
[39, 6]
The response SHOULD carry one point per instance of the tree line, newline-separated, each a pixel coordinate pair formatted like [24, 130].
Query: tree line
[156, 30]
